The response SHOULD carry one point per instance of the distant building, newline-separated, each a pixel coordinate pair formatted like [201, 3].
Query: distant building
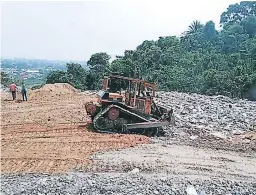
[32, 71]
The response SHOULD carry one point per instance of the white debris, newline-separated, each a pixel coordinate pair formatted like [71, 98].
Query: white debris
[219, 135]
[136, 170]
[237, 132]
[191, 190]
[193, 137]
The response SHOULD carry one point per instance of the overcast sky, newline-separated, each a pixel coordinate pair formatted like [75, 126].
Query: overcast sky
[76, 30]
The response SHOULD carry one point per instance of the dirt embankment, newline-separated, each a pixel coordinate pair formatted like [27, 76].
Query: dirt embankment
[52, 104]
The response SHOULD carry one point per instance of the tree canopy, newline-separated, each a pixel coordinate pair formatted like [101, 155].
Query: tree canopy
[204, 60]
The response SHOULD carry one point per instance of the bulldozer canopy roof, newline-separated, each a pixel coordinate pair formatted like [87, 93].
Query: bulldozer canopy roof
[145, 83]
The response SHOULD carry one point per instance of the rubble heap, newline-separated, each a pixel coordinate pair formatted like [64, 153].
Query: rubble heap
[216, 113]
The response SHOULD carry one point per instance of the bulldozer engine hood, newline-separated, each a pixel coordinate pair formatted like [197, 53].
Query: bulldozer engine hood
[107, 96]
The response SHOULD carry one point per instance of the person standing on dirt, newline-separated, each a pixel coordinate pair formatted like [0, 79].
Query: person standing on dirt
[13, 89]
[24, 92]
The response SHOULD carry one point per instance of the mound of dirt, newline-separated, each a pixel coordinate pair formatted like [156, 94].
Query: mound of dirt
[59, 87]
[52, 90]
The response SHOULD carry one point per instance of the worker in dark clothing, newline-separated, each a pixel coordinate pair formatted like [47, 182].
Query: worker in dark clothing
[24, 92]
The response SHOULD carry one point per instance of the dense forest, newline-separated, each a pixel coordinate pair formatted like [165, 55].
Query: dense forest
[202, 60]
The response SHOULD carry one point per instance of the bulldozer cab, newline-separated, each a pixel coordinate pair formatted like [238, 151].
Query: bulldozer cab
[116, 84]
[136, 93]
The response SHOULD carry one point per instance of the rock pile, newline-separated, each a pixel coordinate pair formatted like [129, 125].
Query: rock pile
[213, 113]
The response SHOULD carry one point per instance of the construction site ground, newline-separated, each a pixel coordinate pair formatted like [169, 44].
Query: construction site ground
[47, 147]
[49, 134]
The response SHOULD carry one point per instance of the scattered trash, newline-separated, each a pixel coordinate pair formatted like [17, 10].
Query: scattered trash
[237, 132]
[191, 190]
[136, 170]
[202, 193]
[193, 137]
[219, 135]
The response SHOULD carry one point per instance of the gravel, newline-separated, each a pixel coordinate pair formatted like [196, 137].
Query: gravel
[117, 183]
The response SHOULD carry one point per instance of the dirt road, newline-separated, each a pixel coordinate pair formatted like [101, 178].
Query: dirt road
[181, 161]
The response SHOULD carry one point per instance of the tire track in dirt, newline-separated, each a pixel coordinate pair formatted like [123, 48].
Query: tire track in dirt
[181, 161]
[59, 149]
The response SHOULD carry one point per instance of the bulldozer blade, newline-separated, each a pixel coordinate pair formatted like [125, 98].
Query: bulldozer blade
[144, 125]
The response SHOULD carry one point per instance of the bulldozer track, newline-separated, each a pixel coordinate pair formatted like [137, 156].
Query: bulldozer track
[144, 131]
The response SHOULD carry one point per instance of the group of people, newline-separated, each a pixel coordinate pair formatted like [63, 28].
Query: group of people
[13, 89]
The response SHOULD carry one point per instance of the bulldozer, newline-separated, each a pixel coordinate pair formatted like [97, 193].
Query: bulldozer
[126, 105]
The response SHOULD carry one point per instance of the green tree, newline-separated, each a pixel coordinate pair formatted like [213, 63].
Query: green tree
[235, 13]
[249, 25]
[77, 76]
[57, 76]
[194, 27]
[99, 62]
[209, 31]
[5, 79]
[99, 66]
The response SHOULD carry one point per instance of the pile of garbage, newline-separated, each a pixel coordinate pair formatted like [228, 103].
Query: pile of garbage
[213, 113]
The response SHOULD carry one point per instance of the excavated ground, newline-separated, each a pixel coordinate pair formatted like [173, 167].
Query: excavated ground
[49, 132]
[46, 148]
[60, 148]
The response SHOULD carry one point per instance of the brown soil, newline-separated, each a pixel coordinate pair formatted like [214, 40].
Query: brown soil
[60, 148]
[48, 133]
[45, 107]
